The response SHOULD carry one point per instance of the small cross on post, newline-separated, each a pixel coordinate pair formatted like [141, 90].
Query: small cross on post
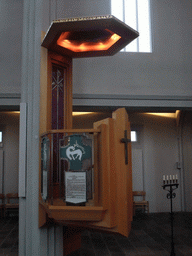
[126, 141]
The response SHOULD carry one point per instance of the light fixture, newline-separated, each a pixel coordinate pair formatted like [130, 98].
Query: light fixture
[168, 115]
[88, 36]
[76, 113]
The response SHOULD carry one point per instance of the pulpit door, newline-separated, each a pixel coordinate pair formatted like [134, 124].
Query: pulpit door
[117, 193]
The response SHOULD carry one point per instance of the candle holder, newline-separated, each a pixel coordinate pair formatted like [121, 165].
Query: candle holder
[170, 187]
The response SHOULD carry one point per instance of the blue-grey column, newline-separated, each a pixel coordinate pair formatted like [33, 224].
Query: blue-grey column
[32, 239]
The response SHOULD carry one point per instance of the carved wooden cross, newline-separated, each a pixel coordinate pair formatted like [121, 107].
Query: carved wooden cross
[126, 141]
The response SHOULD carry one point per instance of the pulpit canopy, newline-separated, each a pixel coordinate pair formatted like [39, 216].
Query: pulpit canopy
[88, 36]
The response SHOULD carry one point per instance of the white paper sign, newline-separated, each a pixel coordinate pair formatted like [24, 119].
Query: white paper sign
[75, 187]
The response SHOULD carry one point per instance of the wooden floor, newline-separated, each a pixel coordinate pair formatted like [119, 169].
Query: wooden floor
[150, 235]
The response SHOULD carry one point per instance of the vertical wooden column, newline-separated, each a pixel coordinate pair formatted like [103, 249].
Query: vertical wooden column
[56, 113]
[59, 109]
[55, 103]
[59, 117]
[55, 99]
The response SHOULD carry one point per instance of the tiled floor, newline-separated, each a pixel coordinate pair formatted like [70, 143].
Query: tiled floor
[150, 236]
[9, 236]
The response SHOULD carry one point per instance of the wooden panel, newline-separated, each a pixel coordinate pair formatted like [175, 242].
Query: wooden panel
[43, 90]
[106, 166]
[43, 121]
[65, 63]
[71, 131]
[97, 170]
[76, 213]
[121, 178]
[47, 59]
[124, 173]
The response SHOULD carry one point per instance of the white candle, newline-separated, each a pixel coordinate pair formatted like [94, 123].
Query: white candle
[173, 178]
[163, 179]
[167, 179]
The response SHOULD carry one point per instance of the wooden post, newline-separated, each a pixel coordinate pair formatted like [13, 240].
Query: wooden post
[47, 61]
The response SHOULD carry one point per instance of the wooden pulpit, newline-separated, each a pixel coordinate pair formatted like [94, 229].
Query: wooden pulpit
[85, 176]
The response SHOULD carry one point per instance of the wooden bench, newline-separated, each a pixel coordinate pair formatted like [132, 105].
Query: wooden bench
[12, 202]
[142, 203]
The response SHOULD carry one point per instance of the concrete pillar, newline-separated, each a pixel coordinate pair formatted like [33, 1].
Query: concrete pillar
[32, 240]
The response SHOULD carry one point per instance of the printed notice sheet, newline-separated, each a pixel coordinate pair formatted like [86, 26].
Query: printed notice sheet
[75, 187]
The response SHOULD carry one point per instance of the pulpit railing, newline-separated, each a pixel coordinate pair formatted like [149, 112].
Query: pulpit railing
[67, 167]
[84, 178]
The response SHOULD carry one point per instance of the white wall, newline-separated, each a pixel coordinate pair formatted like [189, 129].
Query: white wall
[158, 142]
[166, 71]
[9, 121]
[11, 20]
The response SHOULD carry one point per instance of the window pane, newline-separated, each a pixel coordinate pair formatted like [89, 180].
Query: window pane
[130, 13]
[131, 20]
[133, 136]
[1, 137]
[136, 14]
[144, 26]
[117, 9]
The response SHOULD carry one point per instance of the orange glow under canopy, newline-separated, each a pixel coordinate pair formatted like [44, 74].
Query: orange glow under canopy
[84, 41]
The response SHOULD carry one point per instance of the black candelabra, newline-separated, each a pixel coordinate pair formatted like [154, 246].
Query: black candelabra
[170, 184]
